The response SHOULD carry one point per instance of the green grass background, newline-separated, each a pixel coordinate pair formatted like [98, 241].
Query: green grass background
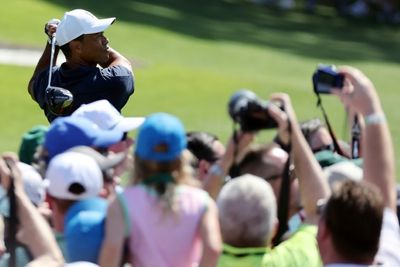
[190, 56]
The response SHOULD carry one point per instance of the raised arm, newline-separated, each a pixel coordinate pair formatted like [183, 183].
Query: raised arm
[360, 95]
[34, 231]
[214, 179]
[44, 61]
[112, 247]
[312, 181]
[117, 59]
[211, 236]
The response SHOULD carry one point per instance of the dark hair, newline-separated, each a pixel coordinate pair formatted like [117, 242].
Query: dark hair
[254, 162]
[353, 215]
[200, 144]
[66, 49]
[309, 127]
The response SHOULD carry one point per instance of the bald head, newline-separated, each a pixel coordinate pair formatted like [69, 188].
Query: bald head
[247, 212]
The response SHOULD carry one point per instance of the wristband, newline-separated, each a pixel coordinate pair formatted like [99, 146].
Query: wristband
[375, 118]
[216, 170]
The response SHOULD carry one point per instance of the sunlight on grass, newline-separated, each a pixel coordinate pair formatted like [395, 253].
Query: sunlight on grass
[190, 56]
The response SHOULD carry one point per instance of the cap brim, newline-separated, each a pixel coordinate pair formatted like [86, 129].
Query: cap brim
[129, 124]
[104, 162]
[106, 138]
[100, 26]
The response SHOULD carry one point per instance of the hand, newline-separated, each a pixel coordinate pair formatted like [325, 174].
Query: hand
[283, 123]
[283, 118]
[9, 170]
[358, 92]
[50, 27]
[244, 139]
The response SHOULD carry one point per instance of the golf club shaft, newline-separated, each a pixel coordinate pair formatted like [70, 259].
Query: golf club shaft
[53, 45]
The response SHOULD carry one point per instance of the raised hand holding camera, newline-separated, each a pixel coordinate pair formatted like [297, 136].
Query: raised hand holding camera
[251, 112]
[358, 93]
[325, 78]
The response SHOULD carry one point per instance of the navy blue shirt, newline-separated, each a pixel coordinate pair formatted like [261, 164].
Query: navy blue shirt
[87, 84]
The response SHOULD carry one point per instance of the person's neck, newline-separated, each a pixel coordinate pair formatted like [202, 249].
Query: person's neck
[58, 221]
[336, 259]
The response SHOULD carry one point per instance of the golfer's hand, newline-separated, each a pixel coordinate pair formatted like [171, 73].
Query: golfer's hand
[50, 27]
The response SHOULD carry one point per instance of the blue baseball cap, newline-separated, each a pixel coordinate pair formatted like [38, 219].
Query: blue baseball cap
[161, 137]
[84, 229]
[67, 132]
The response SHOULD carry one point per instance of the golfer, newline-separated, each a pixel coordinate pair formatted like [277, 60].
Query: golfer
[92, 71]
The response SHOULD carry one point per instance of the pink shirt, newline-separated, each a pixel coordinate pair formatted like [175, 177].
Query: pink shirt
[161, 238]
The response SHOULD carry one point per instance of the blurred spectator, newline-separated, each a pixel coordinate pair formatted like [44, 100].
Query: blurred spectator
[342, 171]
[322, 145]
[84, 229]
[31, 140]
[67, 132]
[74, 176]
[160, 207]
[350, 224]
[268, 161]
[33, 230]
[35, 191]
[248, 237]
[368, 219]
[33, 184]
[106, 117]
[206, 148]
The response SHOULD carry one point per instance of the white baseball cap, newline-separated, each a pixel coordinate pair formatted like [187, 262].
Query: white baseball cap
[33, 183]
[343, 171]
[107, 117]
[77, 22]
[74, 176]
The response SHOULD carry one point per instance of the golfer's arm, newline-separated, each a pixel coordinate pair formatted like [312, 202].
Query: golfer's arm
[43, 63]
[116, 59]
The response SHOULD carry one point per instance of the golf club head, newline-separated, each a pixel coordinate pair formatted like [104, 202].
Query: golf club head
[58, 100]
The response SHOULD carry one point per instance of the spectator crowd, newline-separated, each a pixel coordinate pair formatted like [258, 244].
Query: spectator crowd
[301, 199]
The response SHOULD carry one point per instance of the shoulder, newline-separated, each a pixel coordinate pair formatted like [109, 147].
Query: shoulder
[390, 240]
[299, 250]
[118, 71]
[193, 191]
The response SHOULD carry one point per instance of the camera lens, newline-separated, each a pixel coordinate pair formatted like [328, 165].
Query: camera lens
[239, 101]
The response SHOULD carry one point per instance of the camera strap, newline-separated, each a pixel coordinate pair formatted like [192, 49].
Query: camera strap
[331, 133]
[13, 221]
[234, 169]
[284, 195]
[355, 139]
[283, 204]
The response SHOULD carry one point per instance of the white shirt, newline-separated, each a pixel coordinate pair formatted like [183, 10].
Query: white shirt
[389, 243]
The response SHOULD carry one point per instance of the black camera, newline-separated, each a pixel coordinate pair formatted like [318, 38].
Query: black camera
[325, 78]
[250, 112]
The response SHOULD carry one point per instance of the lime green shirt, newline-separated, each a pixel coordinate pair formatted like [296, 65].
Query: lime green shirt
[299, 250]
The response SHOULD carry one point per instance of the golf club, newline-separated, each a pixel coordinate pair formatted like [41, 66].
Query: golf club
[57, 99]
